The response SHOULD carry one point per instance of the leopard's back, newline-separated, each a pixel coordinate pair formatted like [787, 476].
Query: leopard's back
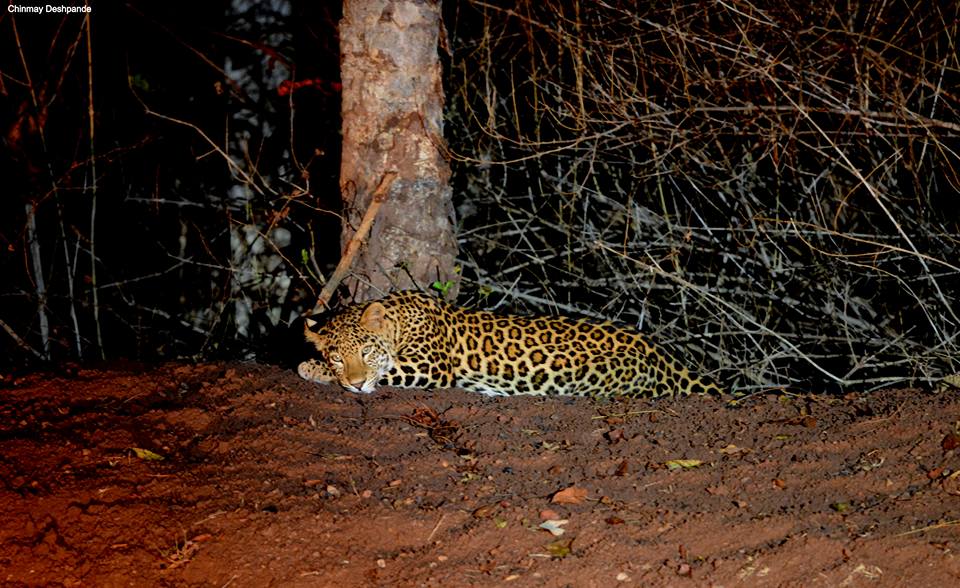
[563, 356]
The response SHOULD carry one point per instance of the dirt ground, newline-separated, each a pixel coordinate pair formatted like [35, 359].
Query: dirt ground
[267, 480]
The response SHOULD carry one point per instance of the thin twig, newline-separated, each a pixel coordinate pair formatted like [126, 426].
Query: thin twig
[942, 525]
[31, 210]
[93, 193]
[23, 344]
[436, 528]
[379, 197]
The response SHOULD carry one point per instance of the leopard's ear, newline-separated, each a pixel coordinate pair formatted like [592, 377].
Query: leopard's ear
[318, 340]
[310, 323]
[374, 317]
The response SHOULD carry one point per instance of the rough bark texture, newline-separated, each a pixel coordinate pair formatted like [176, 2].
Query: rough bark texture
[393, 121]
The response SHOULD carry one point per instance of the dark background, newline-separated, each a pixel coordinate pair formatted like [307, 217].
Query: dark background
[158, 181]
[772, 190]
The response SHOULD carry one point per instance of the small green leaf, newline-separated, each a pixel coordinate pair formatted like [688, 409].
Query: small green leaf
[683, 464]
[147, 454]
[840, 506]
[442, 287]
[500, 523]
[138, 82]
[560, 548]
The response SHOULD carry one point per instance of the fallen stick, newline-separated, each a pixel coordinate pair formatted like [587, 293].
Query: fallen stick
[26, 346]
[379, 197]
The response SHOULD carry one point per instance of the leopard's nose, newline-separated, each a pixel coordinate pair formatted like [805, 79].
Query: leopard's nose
[357, 382]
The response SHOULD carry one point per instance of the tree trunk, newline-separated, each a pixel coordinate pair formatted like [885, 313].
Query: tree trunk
[393, 121]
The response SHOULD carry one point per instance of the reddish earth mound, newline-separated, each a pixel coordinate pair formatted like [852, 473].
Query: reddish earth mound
[269, 480]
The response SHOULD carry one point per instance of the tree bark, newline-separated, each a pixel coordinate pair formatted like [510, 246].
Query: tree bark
[392, 108]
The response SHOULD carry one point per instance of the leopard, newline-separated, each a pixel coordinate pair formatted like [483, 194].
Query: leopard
[411, 339]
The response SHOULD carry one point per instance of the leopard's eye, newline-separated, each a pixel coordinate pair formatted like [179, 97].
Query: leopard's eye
[366, 349]
[334, 356]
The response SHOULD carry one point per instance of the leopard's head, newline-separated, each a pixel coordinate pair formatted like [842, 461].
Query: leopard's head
[357, 347]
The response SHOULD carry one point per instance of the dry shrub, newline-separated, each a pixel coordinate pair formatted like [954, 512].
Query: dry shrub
[772, 188]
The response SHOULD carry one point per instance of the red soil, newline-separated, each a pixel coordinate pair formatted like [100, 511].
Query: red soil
[267, 480]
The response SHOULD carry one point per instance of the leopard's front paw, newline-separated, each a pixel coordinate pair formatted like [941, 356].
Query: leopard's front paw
[314, 370]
